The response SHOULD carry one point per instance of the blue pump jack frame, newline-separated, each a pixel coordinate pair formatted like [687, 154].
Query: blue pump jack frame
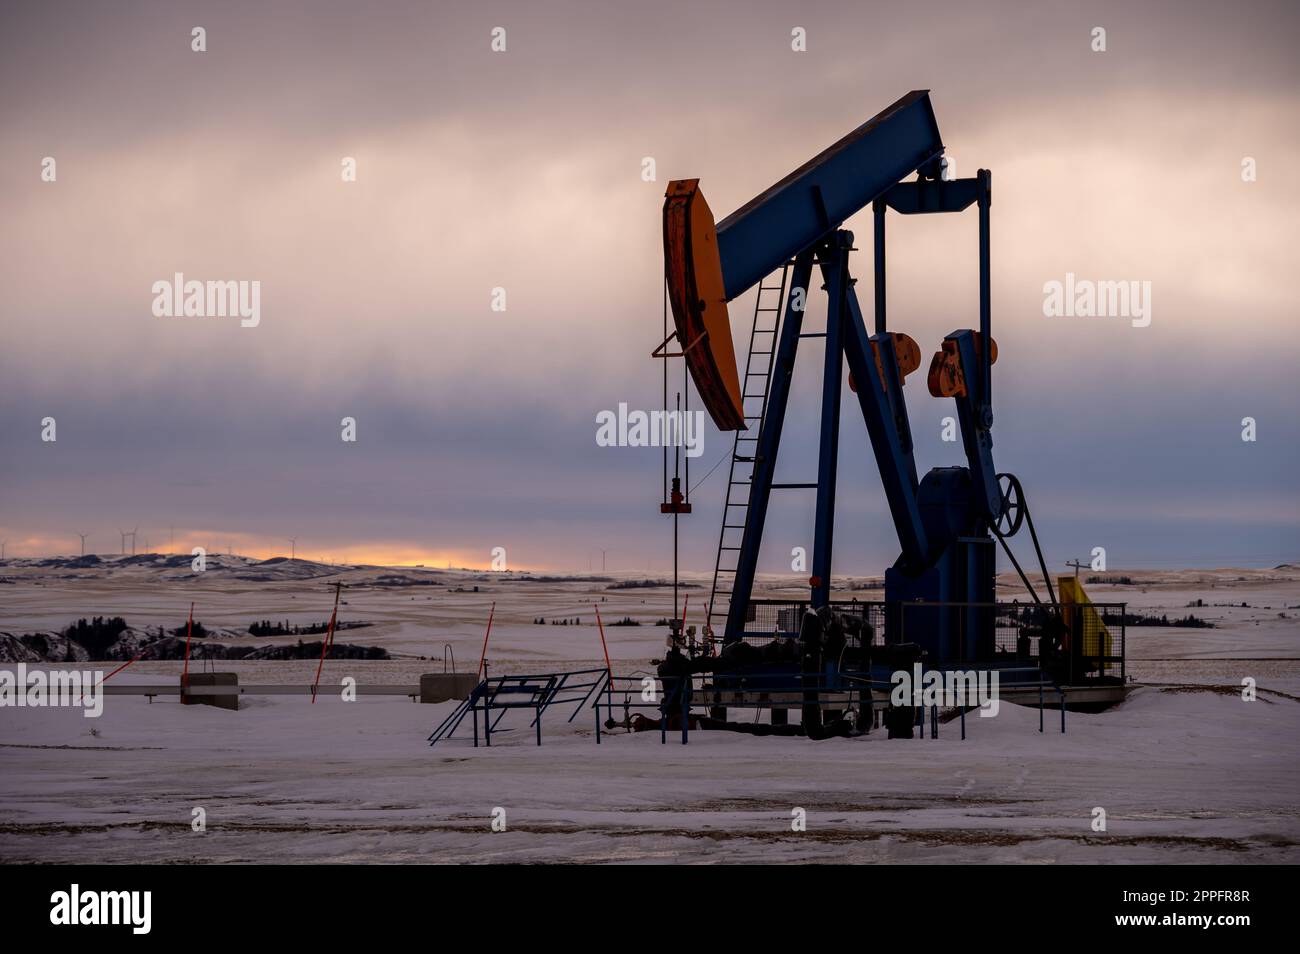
[883, 409]
[975, 410]
[881, 400]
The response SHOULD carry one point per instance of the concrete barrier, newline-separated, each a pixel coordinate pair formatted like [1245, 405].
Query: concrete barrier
[441, 686]
[222, 701]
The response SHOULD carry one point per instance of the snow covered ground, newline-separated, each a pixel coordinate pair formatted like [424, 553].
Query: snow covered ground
[1185, 771]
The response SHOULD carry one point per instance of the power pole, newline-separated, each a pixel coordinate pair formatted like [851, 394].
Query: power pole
[1077, 566]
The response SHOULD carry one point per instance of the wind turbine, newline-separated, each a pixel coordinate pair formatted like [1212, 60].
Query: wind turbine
[123, 533]
[2, 548]
[83, 541]
[293, 545]
[132, 535]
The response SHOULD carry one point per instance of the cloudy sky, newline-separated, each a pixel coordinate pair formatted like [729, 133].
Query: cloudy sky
[522, 170]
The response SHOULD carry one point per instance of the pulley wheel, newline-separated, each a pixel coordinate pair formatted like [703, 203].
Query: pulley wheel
[1013, 505]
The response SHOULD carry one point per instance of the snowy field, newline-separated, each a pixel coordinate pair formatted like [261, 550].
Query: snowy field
[1185, 770]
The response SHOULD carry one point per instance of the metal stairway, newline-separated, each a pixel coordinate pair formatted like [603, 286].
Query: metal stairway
[534, 692]
[754, 388]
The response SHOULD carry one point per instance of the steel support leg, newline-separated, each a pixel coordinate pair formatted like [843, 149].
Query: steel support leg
[836, 273]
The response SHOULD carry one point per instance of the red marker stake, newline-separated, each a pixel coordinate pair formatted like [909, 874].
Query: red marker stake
[483, 656]
[327, 641]
[114, 672]
[121, 667]
[603, 644]
[609, 671]
[185, 674]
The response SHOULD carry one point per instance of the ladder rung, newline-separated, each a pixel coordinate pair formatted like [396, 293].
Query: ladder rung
[793, 486]
[813, 334]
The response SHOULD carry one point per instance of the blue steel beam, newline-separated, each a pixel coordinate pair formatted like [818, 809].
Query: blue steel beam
[932, 195]
[883, 406]
[836, 275]
[977, 440]
[816, 198]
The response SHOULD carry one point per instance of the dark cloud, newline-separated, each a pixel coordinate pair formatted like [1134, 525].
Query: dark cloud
[522, 170]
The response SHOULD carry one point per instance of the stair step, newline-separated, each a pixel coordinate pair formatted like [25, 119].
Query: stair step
[759, 348]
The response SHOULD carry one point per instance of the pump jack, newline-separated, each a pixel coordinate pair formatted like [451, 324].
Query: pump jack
[949, 522]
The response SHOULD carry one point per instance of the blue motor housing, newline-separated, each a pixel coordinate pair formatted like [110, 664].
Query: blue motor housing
[959, 575]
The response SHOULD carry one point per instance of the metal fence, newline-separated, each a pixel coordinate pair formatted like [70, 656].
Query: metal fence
[1077, 642]
[666, 703]
[781, 619]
